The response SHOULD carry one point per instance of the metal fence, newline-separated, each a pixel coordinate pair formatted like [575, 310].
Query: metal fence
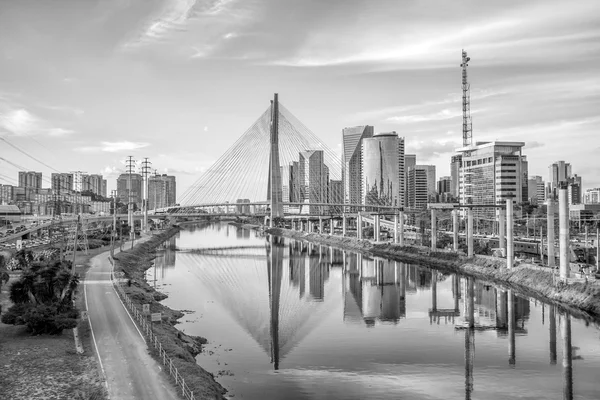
[151, 338]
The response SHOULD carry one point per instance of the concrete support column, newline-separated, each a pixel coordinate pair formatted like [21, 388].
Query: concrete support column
[550, 233]
[433, 229]
[510, 251]
[344, 224]
[331, 227]
[321, 225]
[376, 227]
[511, 328]
[470, 232]
[563, 229]
[401, 228]
[396, 228]
[359, 226]
[455, 230]
[502, 230]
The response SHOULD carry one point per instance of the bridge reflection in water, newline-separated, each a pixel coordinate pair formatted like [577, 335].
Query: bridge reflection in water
[277, 295]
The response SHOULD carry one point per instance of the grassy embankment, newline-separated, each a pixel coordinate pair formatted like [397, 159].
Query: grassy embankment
[579, 297]
[180, 347]
[49, 367]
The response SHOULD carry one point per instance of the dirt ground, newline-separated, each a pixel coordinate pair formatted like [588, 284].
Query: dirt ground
[49, 367]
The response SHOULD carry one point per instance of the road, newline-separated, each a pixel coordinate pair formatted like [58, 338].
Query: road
[130, 371]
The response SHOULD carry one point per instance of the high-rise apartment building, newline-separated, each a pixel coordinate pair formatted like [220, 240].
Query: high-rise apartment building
[123, 189]
[410, 161]
[313, 179]
[430, 172]
[382, 170]
[536, 190]
[352, 161]
[61, 182]
[491, 172]
[162, 191]
[418, 191]
[94, 183]
[574, 189]
[30, 180]
[336, 195]
[455, 165]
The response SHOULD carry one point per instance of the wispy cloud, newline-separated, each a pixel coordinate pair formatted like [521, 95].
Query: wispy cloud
[113, 147]
[429, 149]
[440, 115]
[21, 122]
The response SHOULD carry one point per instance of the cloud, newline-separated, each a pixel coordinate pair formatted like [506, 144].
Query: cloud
[427, 150]
[111, 172]
[21, 122]
[65, 109]
[441, 115]
[113, 147]
[532, 144]
[206, 129]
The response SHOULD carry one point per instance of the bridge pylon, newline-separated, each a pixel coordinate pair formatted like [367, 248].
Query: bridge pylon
[274, 188]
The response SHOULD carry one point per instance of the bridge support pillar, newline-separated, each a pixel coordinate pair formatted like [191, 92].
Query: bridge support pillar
[321, 231]
[510, 250]
[401, 228]
[331, 227]
[396, 228]
[470, 232]
[359, 226]
[455, 230]
[501, 231]
[433, 229]
[563, 230]
[344, 224]
[376, 228]
[550, 233]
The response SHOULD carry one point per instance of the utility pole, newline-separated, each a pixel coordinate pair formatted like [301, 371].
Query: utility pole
[130, 165]
[145, 173]
[113, 194]
[75, 243]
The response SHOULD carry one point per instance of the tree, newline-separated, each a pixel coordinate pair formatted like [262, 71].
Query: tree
[43, 298]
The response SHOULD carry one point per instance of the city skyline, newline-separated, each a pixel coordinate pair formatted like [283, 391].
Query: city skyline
[163, 80]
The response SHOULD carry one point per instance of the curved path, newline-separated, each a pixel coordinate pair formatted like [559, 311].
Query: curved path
[131, 373]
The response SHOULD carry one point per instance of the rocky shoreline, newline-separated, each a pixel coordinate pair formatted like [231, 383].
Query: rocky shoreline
[180, 347]
[581, 298]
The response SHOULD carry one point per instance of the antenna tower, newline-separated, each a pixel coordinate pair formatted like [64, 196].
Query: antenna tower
[466, 103]
[145, 174]
[130, 168]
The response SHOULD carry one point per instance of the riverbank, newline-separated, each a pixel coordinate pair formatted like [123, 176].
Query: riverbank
[580, 298]
[180, 347]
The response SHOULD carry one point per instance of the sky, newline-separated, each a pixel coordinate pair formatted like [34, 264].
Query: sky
[84, 83]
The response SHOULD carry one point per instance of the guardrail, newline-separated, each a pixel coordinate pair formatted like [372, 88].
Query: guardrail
[152, 339]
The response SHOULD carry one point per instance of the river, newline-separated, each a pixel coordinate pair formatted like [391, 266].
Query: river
[292, 320]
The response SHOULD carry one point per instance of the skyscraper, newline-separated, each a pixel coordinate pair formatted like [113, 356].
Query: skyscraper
[430, 172]
[382, 183]
[491, 172]
[410, 160]
[313, 178]
[162, 191]
[418, 195]
[61, 182]
[559, 172]
[444, 187]
[352, 161]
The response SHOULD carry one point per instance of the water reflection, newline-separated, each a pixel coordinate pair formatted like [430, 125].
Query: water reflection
[281, 293]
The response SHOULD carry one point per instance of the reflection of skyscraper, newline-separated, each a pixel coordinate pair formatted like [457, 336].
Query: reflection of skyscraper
[376, 291]
[297, 263]
[275, 272]
[317, 278]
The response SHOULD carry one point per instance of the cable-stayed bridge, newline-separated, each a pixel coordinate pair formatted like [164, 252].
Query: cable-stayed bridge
[278, 165]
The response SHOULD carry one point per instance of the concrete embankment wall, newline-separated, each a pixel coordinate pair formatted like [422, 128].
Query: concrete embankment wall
[580, 298]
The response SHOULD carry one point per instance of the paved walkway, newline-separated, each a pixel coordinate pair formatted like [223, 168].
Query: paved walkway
[130, 371]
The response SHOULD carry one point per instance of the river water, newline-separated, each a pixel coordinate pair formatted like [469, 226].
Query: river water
[290, 320]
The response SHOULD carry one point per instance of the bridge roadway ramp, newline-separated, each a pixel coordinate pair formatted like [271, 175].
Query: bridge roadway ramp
[131, 373]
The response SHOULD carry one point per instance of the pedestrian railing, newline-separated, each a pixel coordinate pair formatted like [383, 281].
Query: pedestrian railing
[151, 339]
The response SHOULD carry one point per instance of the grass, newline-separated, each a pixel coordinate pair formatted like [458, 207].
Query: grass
[48, 367]
[181, 348]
